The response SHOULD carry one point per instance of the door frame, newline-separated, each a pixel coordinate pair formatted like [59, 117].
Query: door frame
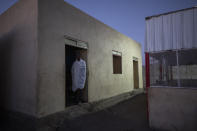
[69, 41]
[135, 60]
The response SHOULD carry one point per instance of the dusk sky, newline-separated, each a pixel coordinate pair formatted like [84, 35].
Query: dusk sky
[126, 16]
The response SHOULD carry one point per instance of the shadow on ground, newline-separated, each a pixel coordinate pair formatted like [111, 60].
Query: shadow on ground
[129, 115]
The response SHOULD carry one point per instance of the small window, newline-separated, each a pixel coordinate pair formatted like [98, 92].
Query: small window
[117, 63]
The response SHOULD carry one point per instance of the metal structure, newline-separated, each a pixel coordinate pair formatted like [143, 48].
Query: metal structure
[170, 55]
[171, 49]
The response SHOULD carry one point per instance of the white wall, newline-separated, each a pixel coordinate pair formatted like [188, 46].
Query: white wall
[18, 57]
[56, 19]
[173, 108]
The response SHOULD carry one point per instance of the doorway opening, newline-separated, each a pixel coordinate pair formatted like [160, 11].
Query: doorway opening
[135, 74]
[70, 57]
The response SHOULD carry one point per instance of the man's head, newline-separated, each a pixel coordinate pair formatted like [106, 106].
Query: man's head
[78, 54]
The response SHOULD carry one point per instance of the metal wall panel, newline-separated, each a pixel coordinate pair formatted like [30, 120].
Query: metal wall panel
[173, 31]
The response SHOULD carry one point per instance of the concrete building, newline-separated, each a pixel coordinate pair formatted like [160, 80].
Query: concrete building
[38, 40]
[171, 70]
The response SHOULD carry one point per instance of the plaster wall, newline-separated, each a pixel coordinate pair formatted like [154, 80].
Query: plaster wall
[18, 57]
[56, 19]
[173, 108]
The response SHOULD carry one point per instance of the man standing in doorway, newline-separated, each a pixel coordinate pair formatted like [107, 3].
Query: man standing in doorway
[78, 77]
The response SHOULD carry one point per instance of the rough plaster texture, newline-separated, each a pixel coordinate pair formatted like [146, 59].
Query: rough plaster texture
[173, 109]
[33, 32]
[18, 55]
[56, 19]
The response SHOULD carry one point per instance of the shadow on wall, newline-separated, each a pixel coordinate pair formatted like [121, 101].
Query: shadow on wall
[6, 46]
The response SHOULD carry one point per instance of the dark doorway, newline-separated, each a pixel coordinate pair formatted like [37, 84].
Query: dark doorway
[70, 58]
[135, 74]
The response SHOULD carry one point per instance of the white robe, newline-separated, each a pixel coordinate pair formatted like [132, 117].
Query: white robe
[78, 74]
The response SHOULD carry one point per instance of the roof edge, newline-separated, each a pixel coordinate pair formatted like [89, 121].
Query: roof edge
[149, 17]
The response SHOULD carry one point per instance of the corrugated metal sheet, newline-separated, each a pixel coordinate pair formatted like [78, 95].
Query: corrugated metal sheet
[172, 31]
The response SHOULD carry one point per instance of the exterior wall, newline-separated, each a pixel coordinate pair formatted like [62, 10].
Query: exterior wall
[172, 31]
[173, 108]
[56, 19]
[18, 55]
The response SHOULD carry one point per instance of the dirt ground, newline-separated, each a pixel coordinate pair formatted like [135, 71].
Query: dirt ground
[129, 115]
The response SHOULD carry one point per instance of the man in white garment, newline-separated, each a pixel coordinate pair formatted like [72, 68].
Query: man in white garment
[78, 77]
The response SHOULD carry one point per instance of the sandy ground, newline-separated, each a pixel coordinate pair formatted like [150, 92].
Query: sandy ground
[129, 115]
